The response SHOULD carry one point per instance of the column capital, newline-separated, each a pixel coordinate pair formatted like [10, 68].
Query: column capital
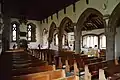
[110, 33]
[73, 24]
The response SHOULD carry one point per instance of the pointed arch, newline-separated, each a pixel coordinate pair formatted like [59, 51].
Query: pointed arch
[51, 32]
[63, 23]
[113, 23]
[80, 24]
[85, 15]
[61, 31]
[114, 18]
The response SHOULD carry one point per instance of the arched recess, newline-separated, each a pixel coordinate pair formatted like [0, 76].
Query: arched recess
[111, 33]
[80, 25]
[61, 30]
[51, 32]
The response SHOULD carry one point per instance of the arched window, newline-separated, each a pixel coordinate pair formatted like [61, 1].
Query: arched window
[14, 32]
[90, 41]
[102, 41]
[56, 39]
[31, 32]
[63, 40]
[15, 29]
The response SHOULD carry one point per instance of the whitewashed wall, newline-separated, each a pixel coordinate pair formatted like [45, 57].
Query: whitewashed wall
[23, 28]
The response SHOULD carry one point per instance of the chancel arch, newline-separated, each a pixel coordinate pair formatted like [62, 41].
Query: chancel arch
[51, 33]
[113, 32]
[89, 20]
[66, 26]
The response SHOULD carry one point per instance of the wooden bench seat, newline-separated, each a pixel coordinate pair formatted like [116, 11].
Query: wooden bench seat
[69, 78]
[26, 65]
[94, 67]
[41, 77]
[52, 75]
[110, 71]
[30, 70]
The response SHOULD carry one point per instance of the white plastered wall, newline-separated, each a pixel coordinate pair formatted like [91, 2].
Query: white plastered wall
[23, 28]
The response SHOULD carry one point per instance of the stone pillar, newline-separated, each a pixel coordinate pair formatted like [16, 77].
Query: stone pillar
[110, 46]
[117, 43]
[59, 42]
[78, 35]
[110, 41]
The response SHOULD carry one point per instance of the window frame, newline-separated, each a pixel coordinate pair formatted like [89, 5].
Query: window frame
[102, 34]
[17, 31]
[55, 39]
[90, 35]
[33, 32]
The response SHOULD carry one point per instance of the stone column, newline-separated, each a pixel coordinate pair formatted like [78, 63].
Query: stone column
[59, 42]
[110, 46]
[78, 35]
[110, 41]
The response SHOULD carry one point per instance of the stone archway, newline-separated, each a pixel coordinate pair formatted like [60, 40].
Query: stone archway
[51, 32]
[61, 31]
[80, 25]
[111, 32]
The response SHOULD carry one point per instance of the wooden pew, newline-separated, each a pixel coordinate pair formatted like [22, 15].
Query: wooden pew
[69, 78]
[81, 61]
[45, 54]
[94, 67]
[52, 75]
[41, 77]
[30, 70]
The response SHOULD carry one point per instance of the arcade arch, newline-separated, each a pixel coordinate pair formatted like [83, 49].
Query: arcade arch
[112, 32]
[51, 33]
[66, 26]
[90, 19]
